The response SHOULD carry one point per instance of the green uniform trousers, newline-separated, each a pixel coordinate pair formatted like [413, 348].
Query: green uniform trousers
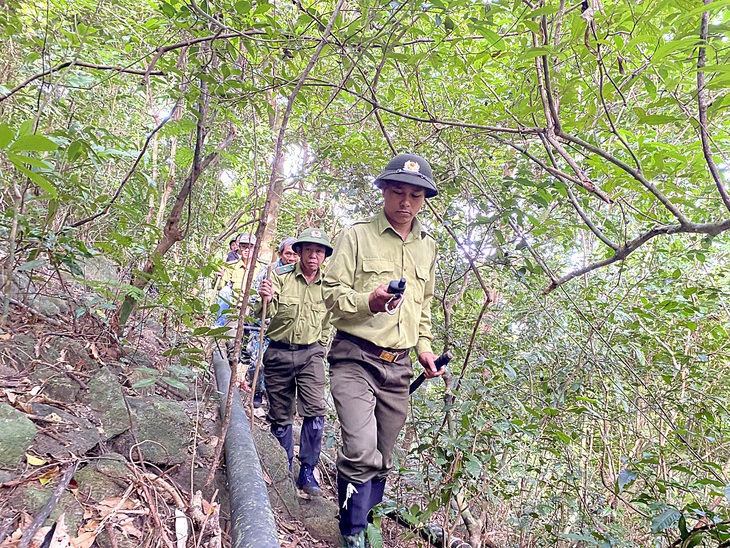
[294, 377]
[371, 397]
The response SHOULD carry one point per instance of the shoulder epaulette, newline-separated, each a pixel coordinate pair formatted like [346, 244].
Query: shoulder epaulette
[284, 269]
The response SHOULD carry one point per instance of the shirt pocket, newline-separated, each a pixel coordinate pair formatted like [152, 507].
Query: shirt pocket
[287, 310]
[419, 282]
[376, 272]
[316, 315]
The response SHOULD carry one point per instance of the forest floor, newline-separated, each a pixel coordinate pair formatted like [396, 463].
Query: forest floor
[146, 502]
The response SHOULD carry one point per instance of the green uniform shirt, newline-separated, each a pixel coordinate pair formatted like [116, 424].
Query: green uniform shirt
[297, 311]
[238, 273]
[371, 253]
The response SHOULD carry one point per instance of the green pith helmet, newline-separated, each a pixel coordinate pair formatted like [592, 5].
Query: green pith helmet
[411, 169]
[313, 236]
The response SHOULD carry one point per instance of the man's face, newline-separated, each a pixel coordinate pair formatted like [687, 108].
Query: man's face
[288, 256]
[402, 202]
[312, 257]
[233, 245]
[245, 250]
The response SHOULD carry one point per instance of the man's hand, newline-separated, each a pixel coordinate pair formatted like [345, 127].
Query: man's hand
[380, 297]
[266, 290]
[429, 368]
[243, 385]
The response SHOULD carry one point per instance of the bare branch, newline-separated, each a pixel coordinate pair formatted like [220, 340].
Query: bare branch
[552, 119]
[582, 178]
[573, 200]
[164, 49]
[62, 66]
[434, 121]
[631, 171]
[711, 229]
[129, 173]
[702, 107]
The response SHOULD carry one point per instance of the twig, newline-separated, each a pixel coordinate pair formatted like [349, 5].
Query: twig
[434, 121]
[702, 108]
[169, 489]
[48, 507]
[33, 311]
[631, 171]
[75, 64]
[581, 213]
[130, 172]
[466, 253]
[164, 49]
[711, 229]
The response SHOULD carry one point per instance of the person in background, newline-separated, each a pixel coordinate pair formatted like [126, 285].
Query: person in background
[286, 256]
[370, 363]
[233, 277]
[232, 255]
[298, 333]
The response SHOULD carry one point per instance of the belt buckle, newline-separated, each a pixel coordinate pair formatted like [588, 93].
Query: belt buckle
[293, 347]
[388, 356]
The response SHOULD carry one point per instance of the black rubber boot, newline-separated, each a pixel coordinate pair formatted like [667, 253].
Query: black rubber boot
[354, 503]
[310, 440]
[377, 488]
[307, 482]
[286, 440]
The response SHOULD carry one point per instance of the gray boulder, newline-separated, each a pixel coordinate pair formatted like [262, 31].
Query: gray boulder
[106, 400]
[319, 515]
[64, 435]
[56, 384]
[100, 269]
[31, 499]
[105, 477]
[16, 435]
[162, 429]
[18, 351]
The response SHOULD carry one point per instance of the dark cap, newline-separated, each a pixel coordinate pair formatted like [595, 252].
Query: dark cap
[313, 236]
[410, 169]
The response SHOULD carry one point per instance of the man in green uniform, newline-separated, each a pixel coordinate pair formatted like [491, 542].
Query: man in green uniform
[370, 365]
[294, 360]
[234, 276]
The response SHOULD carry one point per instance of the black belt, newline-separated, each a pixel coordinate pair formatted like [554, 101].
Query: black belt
[387, 354]
[292, 347]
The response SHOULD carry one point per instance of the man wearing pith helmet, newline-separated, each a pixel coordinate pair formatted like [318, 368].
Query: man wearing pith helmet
[370, 363]
[294, 360]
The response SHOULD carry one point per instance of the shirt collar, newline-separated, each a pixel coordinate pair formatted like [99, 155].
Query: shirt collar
[382, 224]
[298, 272]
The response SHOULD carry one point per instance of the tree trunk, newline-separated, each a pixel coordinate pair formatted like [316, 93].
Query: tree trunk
[172, 232]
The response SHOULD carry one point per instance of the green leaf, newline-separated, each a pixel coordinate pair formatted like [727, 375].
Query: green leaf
[175, 383]
[33, 142]
[32, 265]
[625, 478]
[473, 466]
[149, 381]
[375, 537]
[22, 159]
[6, 135]
[37, 178]
[665, 520]
[683, 527]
